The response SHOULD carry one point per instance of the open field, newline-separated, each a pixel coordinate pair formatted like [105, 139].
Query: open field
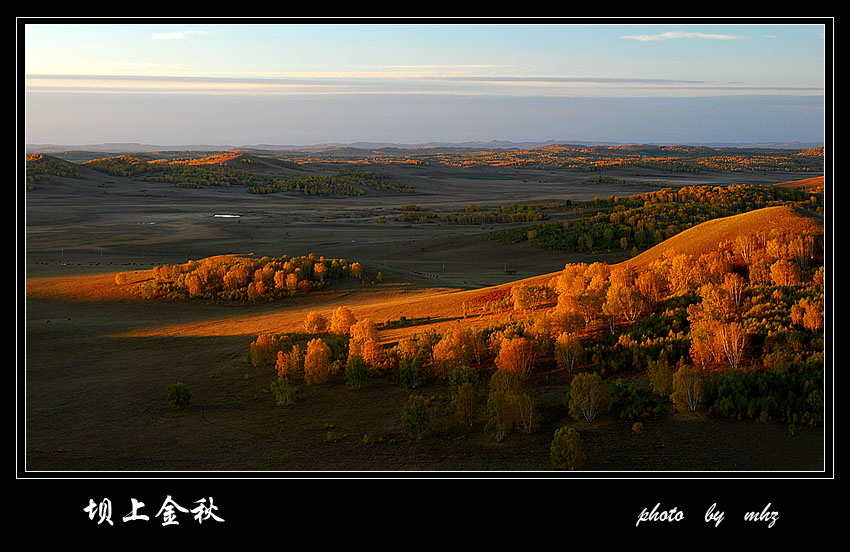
[98, 361]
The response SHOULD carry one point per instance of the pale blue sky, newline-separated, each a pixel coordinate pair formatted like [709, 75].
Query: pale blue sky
[310, 83]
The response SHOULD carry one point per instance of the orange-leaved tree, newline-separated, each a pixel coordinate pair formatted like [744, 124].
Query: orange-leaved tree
[317, 362]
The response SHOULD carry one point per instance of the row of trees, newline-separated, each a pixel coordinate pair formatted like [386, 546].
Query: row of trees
[639, 222]
[234, 278]
[349, 183]
[192, 174]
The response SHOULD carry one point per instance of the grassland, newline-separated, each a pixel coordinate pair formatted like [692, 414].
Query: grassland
[98, 359]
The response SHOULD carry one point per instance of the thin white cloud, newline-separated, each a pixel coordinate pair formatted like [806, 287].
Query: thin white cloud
[669, 35]
[177, 35]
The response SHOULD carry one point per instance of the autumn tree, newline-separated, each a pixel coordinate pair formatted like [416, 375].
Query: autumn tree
[732, 340]
[687, 388]
[193, 284]
[315, 323]
[341, 321]
[623, 300]
[363, 330]
[264, 350]
[651, 285]
[589, 396]
[802, 249]
[784, 273]
[517, 355]
[292, 282]
[734, 285]
[744, 247]
[808, 313]
[567, 350]
[527, 297]
[320, 269]
[452, 351]
[660, 377]
[356, 270]
[289, 363]
[410, 366]
[317, 362]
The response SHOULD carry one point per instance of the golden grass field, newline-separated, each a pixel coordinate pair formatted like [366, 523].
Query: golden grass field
[98, 360]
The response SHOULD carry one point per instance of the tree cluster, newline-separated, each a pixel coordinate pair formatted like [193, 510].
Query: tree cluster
[233, 278]
[641, 221]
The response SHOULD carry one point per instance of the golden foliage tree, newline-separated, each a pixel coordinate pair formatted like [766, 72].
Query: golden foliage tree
[687, 388]
[452, 351]
[808, 313]
[567, 350]
[341, 321]
[517, 355]
[784, 273]
[731, 340]
[289, 363]
[315, 323]
[264, 350]
[589, 396]
[317, 363]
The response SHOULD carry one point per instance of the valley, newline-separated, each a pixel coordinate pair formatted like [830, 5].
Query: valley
[99, 358]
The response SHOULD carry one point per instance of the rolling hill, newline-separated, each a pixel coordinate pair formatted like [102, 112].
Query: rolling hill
[439, 308]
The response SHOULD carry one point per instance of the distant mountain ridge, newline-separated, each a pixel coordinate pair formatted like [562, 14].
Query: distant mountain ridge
[127, 147]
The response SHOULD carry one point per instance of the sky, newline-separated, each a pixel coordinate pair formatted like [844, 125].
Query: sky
[247, 83]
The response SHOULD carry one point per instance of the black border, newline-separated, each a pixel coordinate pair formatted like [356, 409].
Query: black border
[348, 506]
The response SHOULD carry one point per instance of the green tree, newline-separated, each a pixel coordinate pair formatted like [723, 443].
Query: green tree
[415, 418]
[500, 414]
[465, 402]
[567, 449]
[411, 372]
[284, 392]
[589, 396]
[179, 396]
[355, 373]
[461, 375]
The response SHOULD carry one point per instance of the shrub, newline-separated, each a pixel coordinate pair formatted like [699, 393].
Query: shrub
[466, 403]
[284, 392]
[355, 373]
[567, 450]
[415, 418]
[660, 377]
[179, 396]
[315, 323]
